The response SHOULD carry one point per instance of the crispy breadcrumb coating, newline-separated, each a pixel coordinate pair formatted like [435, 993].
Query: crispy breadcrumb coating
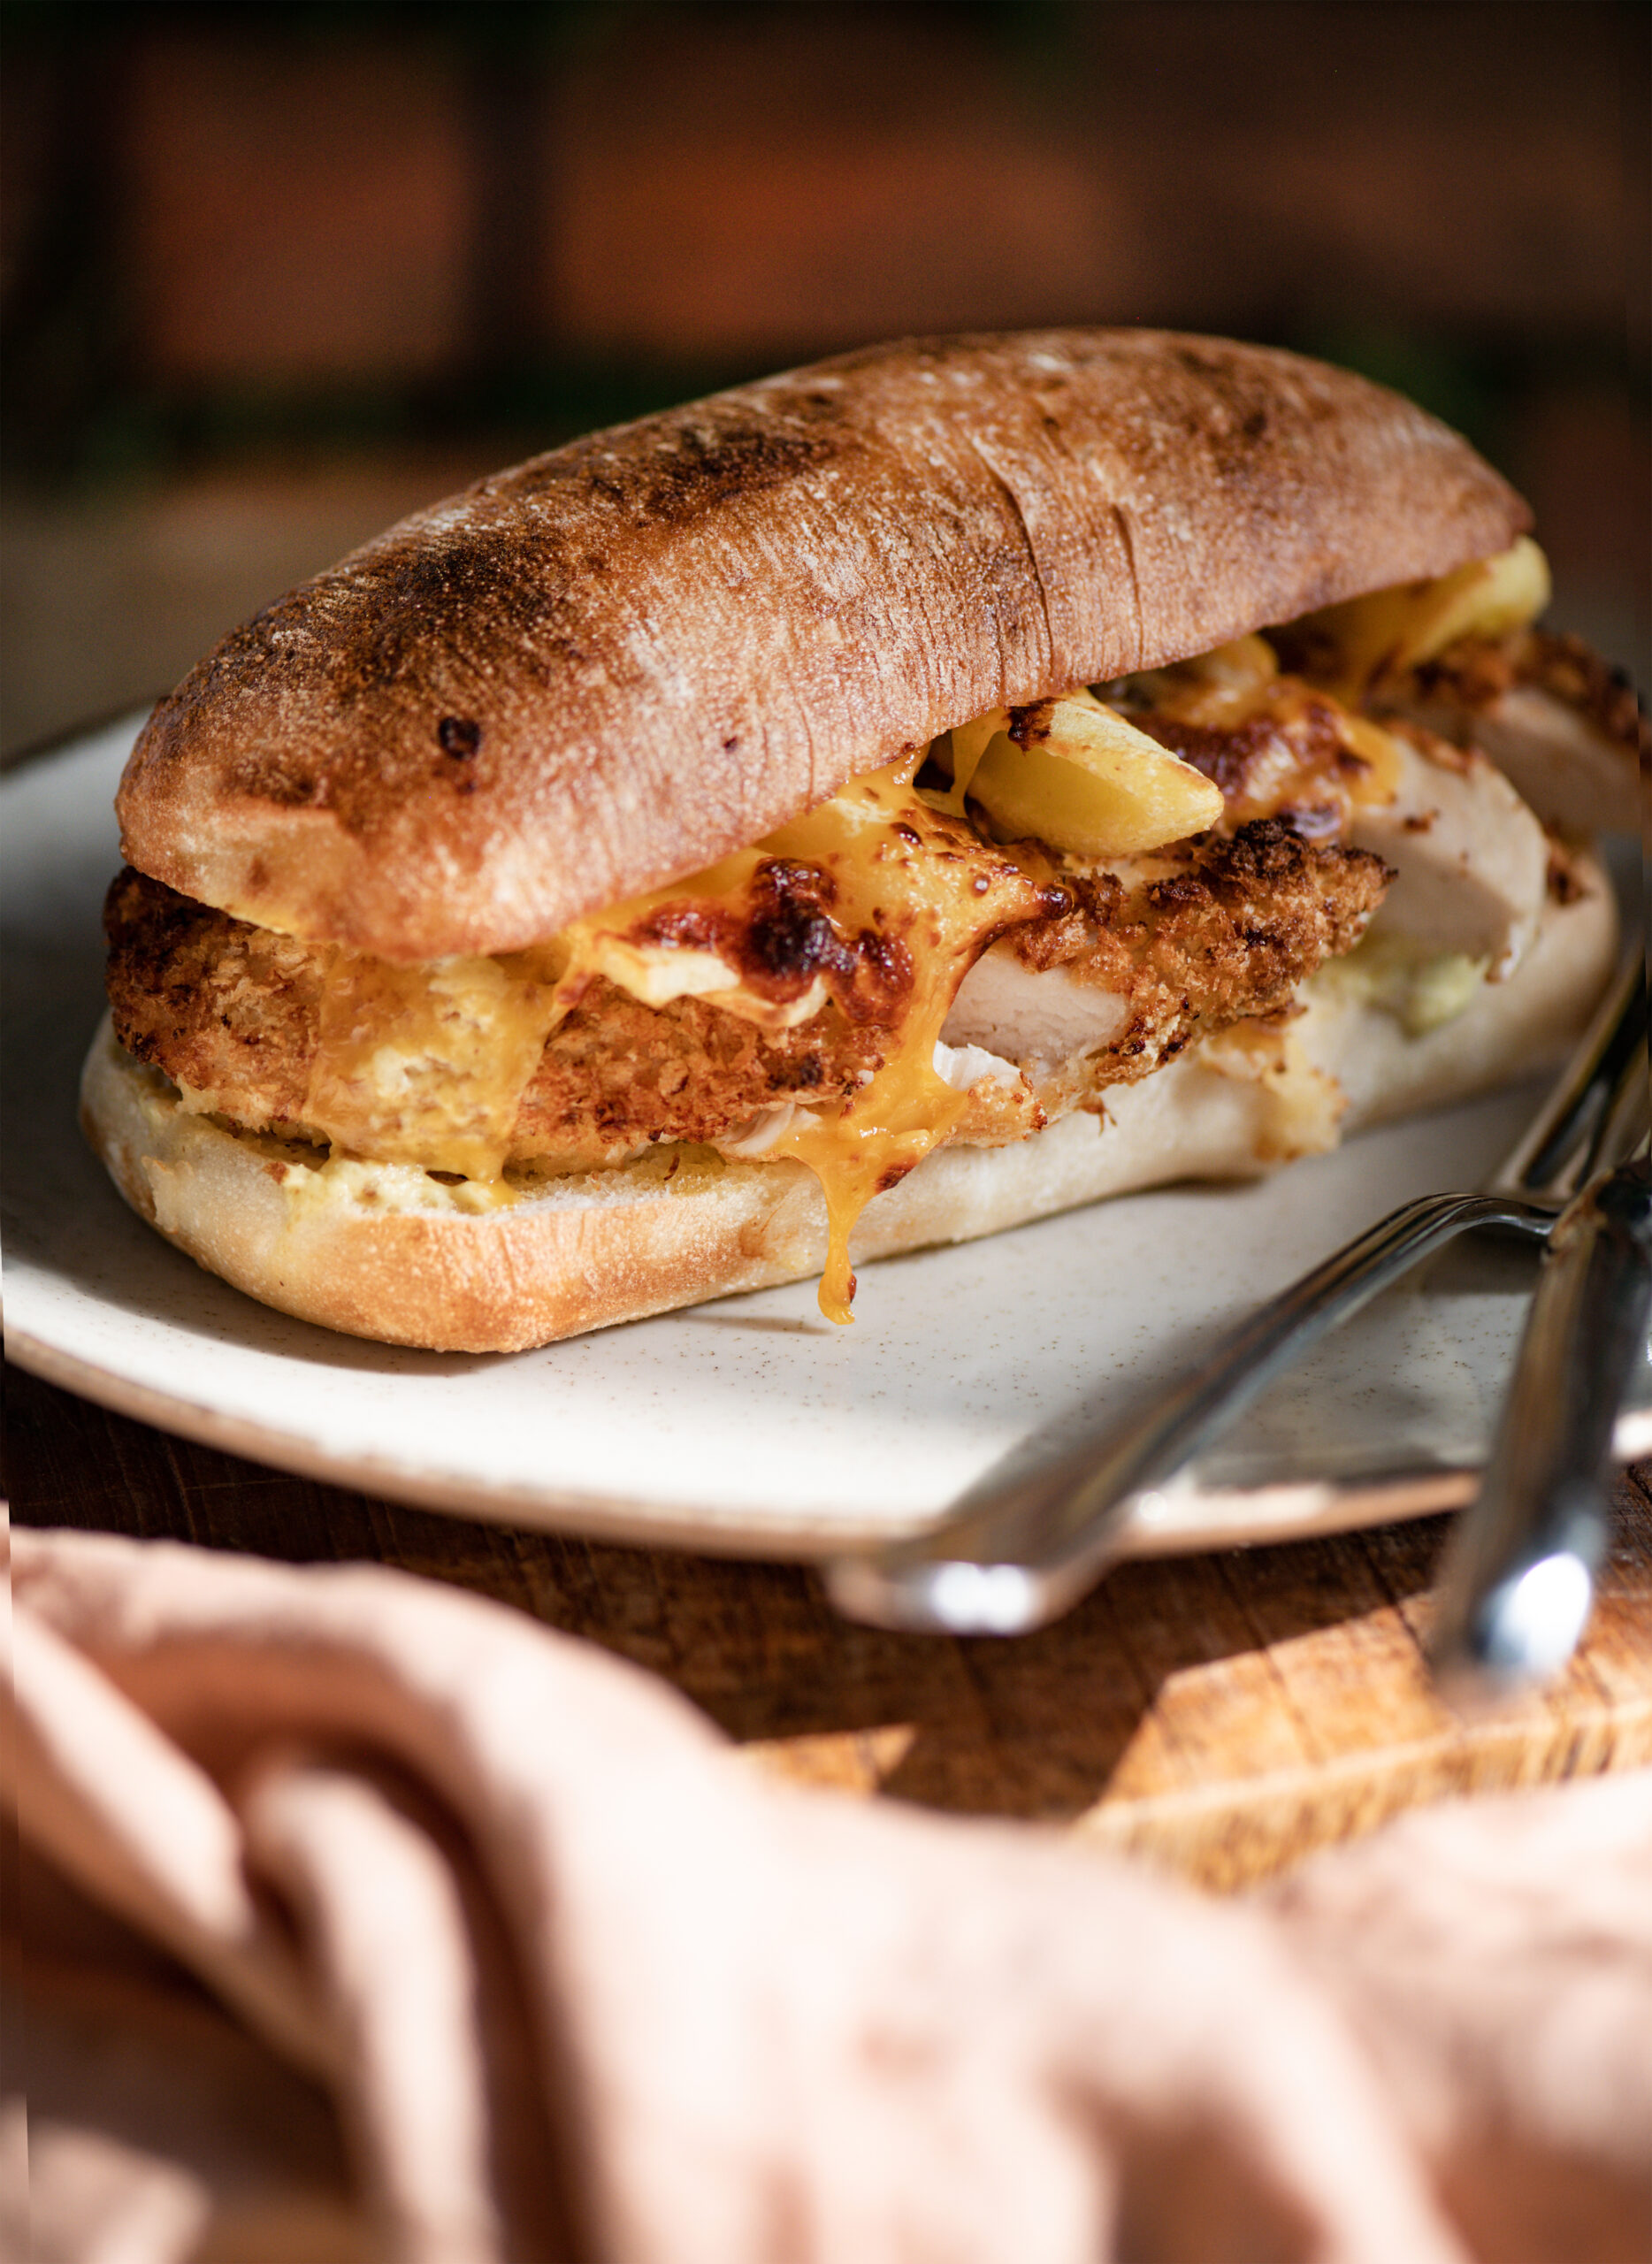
[1476, 671]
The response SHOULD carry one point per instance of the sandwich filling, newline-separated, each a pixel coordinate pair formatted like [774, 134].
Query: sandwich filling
[989, 933]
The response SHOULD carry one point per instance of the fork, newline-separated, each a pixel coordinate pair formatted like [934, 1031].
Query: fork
[1024, 1553]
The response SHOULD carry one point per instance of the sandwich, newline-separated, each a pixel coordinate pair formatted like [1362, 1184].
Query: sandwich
[868, 809]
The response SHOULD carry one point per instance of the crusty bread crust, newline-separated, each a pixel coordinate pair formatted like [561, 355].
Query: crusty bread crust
[623, 659]
[385, 1251]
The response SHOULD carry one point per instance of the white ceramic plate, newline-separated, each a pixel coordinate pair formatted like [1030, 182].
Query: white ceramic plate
[751, 1424]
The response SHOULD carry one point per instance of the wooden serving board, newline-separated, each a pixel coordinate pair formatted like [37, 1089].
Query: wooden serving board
[1221, 1714]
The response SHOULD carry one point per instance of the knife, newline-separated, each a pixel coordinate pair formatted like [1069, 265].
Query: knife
[1517, 1580]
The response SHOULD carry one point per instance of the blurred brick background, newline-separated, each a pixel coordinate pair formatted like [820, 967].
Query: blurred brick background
[273, 274]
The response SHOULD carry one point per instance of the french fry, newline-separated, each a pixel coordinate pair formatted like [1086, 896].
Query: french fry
[1390, 632]
[1076, 774]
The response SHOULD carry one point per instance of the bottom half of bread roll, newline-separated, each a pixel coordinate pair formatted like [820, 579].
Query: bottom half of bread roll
[389, 1251]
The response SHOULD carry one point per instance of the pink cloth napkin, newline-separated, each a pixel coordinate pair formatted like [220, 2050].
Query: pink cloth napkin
[366, 1918]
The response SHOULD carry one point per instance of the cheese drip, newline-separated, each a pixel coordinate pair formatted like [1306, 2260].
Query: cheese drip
[878, 841]
[902, 899]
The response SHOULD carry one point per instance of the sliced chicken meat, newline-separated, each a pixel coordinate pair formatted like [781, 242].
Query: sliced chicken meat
[1565, 727]
[1471, 858]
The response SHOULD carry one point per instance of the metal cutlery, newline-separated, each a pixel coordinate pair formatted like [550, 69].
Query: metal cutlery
[1518, 1578]
[1019, 1554]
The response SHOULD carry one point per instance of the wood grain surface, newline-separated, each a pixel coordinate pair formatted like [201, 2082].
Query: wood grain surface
[1221, 1714]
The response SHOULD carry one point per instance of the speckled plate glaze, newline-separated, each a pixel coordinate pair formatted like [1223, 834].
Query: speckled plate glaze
[751, 1425]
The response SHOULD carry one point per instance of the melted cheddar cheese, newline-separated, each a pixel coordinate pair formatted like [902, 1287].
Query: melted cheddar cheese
[879, 843]
[877, 899]
[428, 1064]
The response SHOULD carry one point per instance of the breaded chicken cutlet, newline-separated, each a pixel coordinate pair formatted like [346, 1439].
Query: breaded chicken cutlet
[231, 1012]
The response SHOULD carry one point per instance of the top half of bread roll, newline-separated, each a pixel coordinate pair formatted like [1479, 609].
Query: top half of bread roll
[619, 660]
